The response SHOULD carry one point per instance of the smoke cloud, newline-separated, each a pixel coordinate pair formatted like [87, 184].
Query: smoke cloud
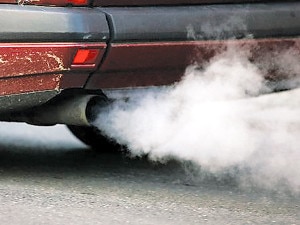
[217, 118]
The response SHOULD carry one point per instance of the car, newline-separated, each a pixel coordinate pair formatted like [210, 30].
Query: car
[60, 58]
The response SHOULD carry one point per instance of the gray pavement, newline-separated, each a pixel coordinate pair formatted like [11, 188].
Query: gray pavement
[48, 177]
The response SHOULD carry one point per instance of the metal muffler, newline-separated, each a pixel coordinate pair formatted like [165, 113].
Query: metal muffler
[78, 110]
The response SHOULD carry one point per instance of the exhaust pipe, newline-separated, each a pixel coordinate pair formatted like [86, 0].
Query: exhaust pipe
[78, 110]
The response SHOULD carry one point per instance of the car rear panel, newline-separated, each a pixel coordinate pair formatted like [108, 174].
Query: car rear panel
[39, 66]
[38, 44]
[153, 45]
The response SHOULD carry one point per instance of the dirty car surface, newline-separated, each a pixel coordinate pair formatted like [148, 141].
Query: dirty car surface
[58, 58]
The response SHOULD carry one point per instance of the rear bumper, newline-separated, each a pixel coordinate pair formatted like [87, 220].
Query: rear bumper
[145, 24]
[51, 24]
[204, 22]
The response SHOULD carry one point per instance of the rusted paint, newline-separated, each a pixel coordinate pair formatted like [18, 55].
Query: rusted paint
[9, 1]
[147, 64]
[30, 59]
[127, 2]
[47, 2]
[17, 85]
[41, 66]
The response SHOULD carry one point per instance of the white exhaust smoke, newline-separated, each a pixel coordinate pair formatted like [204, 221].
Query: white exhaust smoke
[215, 118]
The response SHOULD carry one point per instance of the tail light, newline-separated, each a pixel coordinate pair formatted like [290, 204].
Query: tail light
[86, 58]
[78, 2]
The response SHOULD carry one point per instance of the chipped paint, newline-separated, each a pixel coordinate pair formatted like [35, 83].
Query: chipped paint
[2, 60]
[40, 66]
[27, 2]
[40, 58]
[29, 59]
[50, 2]
[26, 84]
[57, 80]
[58, 60]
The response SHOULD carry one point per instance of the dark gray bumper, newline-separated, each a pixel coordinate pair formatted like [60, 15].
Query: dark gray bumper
[41, 24]
[204, 22]
[127, 24]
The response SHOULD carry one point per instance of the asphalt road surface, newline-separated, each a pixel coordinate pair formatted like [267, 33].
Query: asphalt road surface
[48, 177]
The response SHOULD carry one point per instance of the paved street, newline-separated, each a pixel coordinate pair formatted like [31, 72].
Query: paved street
[48, 177]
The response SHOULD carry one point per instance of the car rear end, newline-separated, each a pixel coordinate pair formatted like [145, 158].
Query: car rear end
[95, 47]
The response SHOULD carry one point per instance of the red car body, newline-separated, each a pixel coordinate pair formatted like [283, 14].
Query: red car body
[83, 47]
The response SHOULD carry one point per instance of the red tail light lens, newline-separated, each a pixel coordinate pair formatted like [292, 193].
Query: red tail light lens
[78, 2]
[86, 58]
